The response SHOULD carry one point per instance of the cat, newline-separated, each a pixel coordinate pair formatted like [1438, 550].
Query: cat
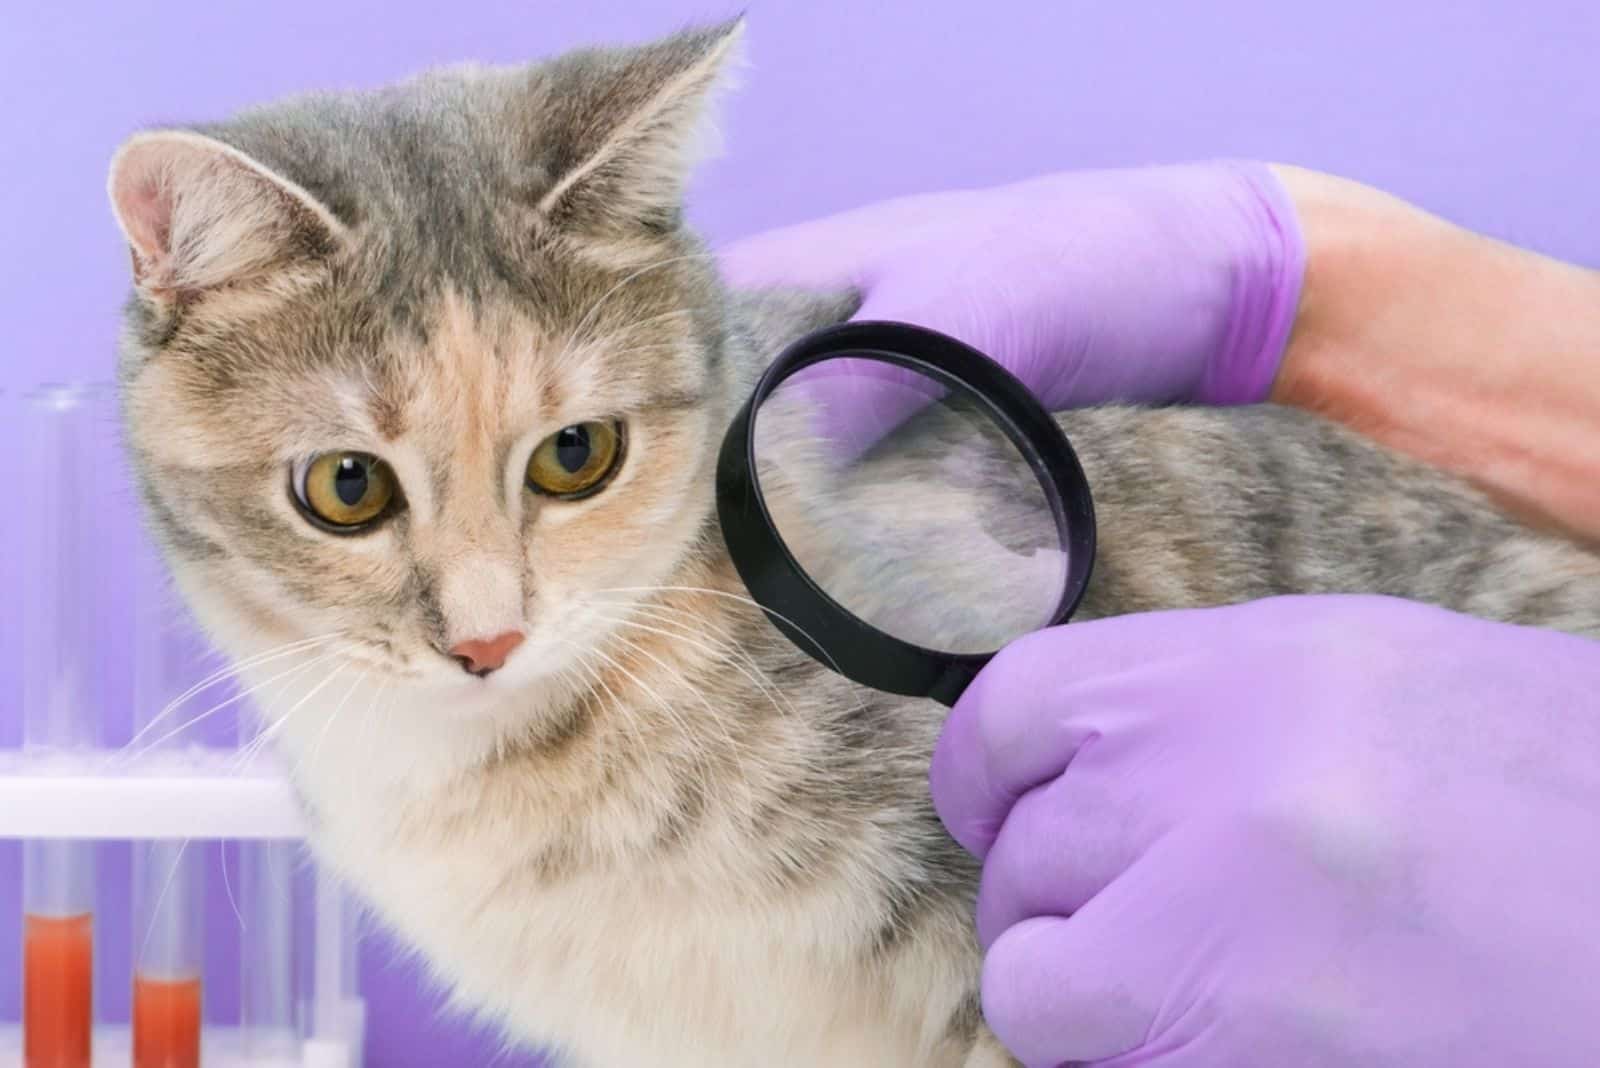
[440, 367]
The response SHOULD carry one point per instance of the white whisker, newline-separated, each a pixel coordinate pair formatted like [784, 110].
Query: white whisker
[726, 645]
[681, 724]
[214, 709]
[714, 721]
[316, 749]
[727, 650]
[371, 715]
[740, 599]
[262, 737]
[155, 910]
[593, 678]
[576, 337]
[260, 742]
[229, 671]
[730, 596]
[227, 886]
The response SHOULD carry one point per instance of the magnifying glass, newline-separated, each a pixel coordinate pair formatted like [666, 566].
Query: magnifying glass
[901, 506]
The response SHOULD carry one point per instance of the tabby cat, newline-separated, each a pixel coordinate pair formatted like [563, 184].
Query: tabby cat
[439, 363]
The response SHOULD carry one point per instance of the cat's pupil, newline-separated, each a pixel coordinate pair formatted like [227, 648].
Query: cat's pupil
[350, 481]
[572, 449]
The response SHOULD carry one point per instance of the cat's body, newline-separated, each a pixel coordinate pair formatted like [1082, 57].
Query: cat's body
[661, 834]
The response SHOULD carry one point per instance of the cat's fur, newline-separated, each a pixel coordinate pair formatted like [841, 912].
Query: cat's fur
[661, 834]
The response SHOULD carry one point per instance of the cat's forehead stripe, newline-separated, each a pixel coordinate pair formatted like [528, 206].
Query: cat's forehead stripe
[386, 407]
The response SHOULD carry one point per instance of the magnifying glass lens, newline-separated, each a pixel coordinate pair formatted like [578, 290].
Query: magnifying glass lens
[906, 501]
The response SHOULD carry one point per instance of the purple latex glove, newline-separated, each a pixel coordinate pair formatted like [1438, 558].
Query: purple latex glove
[1305, 831]
[1152, 285]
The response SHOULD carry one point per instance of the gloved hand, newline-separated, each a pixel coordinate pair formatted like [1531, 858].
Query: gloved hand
[1153, 285]
[1305, 831]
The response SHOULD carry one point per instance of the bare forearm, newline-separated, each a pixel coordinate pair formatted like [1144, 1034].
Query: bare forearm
[1470, 354]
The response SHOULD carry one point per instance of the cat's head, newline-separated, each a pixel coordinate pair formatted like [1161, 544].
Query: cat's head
[435, 369]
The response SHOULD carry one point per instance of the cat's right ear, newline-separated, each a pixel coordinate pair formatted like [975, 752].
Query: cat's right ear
[199, 214]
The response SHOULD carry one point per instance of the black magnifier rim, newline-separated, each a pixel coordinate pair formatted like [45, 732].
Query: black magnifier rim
[805, 612]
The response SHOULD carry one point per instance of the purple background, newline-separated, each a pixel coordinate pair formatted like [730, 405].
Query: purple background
[1485, 112]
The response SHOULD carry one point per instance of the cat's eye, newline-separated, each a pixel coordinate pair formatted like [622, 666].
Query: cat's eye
[576, 460]
[344, 491]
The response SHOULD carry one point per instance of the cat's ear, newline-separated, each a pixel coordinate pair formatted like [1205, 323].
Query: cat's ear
[199, 213]
[618, 131]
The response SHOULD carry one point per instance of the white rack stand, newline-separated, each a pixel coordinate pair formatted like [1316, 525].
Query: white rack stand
[219, 1048]
[193, 794]
[196, 793]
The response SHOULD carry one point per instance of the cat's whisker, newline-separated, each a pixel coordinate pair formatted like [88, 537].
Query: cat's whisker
[721, 732]
[619, 338]
[680, 723]
[691, 625]
[860, 705]
[639, 324]
[137, 754]
[719, 642]
[316, 749]
[230, 671]
[720, 593]
[155, 910]
[576, 337]
[723, 650]
[227, 884]
[252, 749]
[277, 725]
[594, 679]
[370, 717]
[248, 752]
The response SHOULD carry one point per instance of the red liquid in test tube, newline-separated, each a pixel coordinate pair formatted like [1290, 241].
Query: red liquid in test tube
[166, 1023]
[57, 991]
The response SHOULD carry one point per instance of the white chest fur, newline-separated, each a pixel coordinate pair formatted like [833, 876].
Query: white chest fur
[538, 893]
[624, 971]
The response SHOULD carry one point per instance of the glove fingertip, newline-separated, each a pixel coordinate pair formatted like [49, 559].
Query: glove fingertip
[1020, 1011]
[958, 779]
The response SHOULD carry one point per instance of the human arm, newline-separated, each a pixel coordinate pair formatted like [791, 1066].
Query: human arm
[1468, 353]
[1229, 283]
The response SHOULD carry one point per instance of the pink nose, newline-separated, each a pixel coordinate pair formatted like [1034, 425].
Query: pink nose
[485, 656]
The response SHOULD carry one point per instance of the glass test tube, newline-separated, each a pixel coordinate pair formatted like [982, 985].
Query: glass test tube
[336, 1012]
[267, 977]
[268, 986]
[266, 953]
[58, 720]
[168, 875]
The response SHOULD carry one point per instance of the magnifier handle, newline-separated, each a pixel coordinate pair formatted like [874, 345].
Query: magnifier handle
[958, 675]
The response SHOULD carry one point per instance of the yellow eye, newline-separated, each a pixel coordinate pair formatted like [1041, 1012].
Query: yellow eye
[576, 460]
[344, 491]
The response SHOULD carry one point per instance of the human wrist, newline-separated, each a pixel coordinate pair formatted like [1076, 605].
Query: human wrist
[1207, 259]
[1469, 354]
[1266, 265]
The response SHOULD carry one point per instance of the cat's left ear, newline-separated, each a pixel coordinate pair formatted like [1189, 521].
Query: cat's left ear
[616, 132]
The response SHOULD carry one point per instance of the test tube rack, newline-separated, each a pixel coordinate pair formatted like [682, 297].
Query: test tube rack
[195, 794]
[68, 787]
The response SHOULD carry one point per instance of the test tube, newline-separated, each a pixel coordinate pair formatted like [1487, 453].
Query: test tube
[59, 723]
[336, 1012]
[168, 875]
[168, 907]
[266, 953]
[269, 1030]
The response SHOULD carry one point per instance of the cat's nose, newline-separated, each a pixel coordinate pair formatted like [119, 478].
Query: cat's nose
[484, 656]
